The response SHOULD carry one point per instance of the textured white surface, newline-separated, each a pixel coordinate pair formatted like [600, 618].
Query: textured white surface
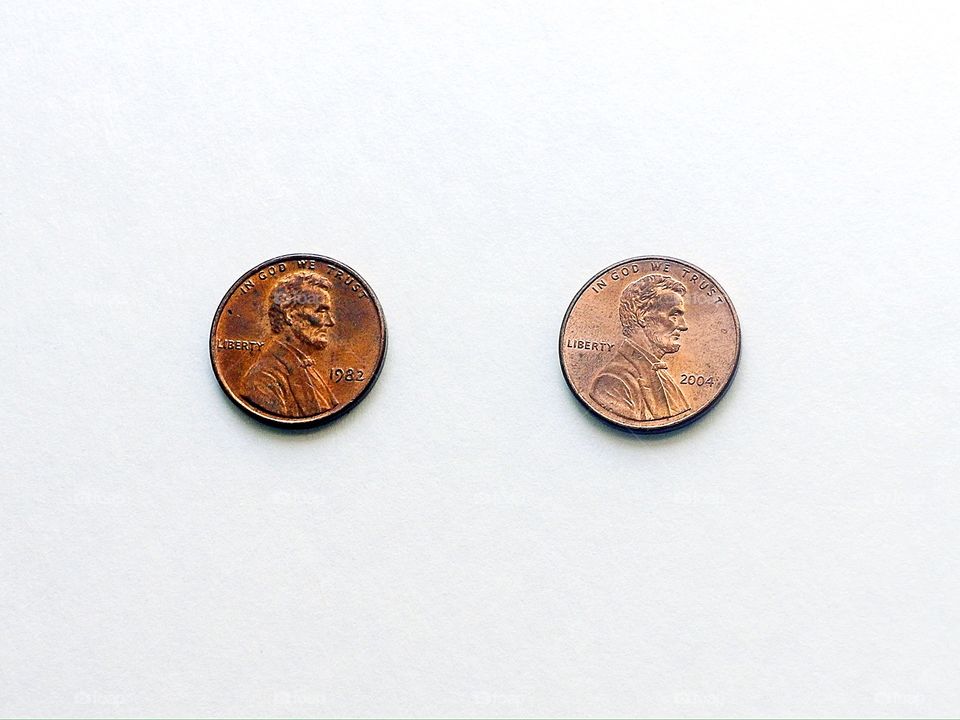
[470, 541]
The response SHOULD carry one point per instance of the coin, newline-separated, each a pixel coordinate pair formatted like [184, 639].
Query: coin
[650, 344]
[298, 340]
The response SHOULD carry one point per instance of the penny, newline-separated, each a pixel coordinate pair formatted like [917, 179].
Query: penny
[650, 343]
[298, 340]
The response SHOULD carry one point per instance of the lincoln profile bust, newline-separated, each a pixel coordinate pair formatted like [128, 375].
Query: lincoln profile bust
[285, 380]
[636, 384]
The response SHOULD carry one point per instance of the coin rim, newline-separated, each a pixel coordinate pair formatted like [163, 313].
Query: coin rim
[660, 428]
[315, 420]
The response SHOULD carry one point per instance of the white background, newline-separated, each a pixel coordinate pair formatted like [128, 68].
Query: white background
[470, 541]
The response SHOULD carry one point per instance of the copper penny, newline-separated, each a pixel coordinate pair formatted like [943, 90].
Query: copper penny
[650, 344]
[298, 340]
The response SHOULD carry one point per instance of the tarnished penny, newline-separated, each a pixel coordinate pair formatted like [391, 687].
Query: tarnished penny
[298, 340]
[650, 344]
